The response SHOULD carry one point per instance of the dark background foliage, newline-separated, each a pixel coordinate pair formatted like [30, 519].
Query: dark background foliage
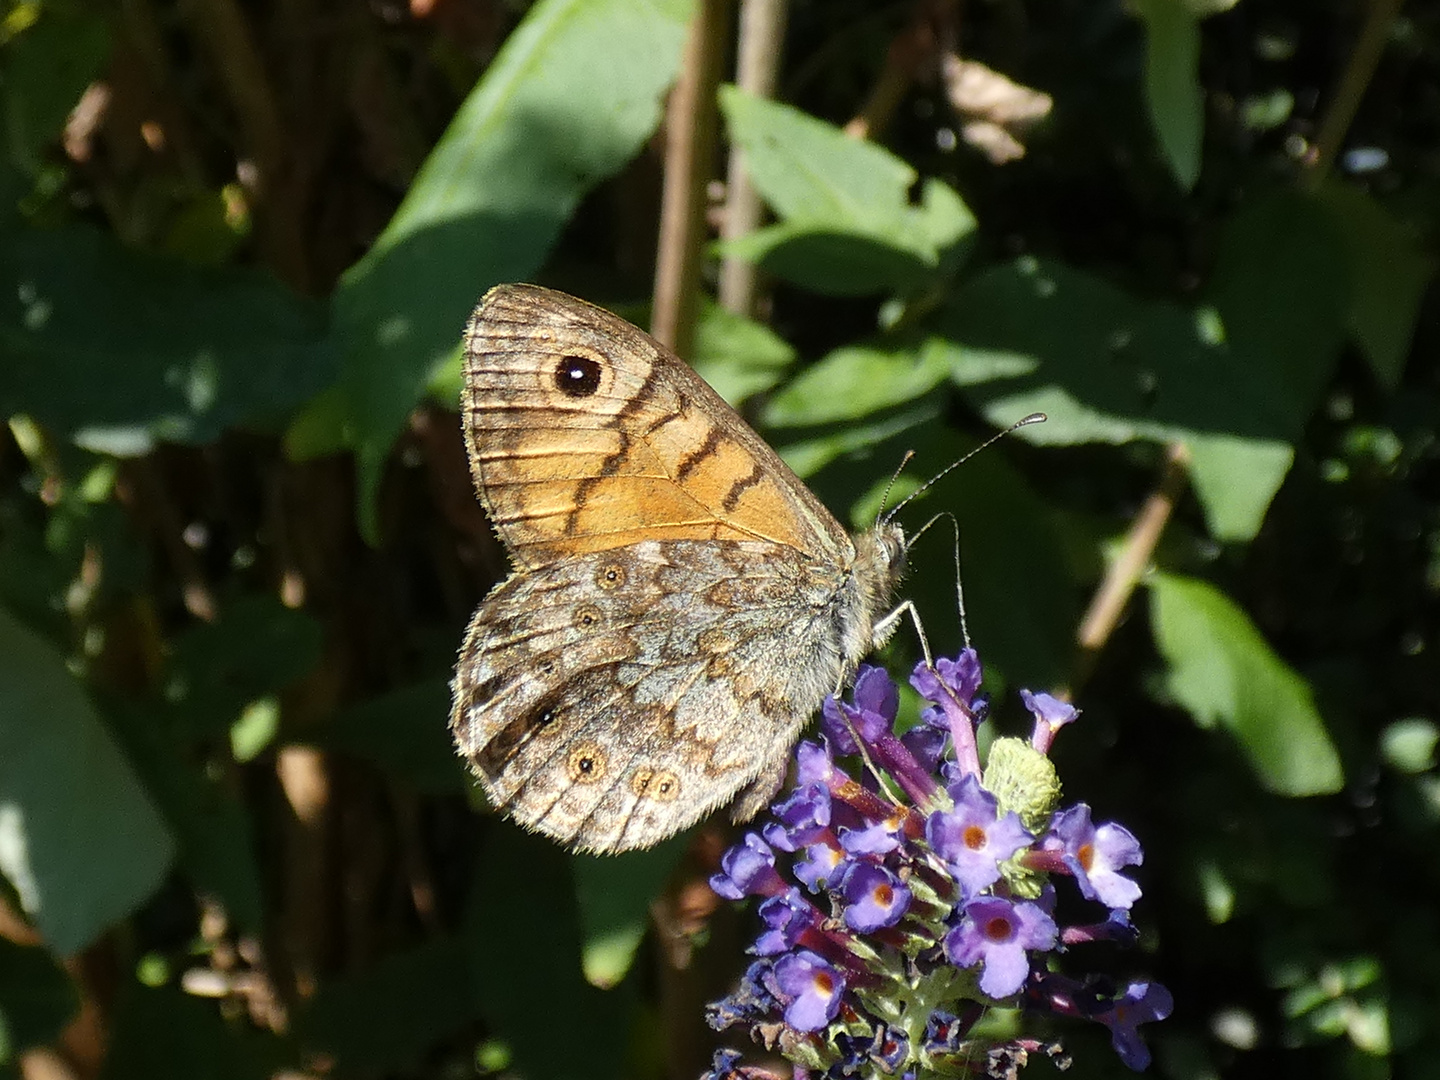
[238, 547]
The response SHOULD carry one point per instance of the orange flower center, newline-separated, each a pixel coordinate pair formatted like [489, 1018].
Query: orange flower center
[974, 837]
[998, 928]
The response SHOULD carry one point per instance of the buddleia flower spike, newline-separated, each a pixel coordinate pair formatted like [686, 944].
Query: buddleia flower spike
[905, 891]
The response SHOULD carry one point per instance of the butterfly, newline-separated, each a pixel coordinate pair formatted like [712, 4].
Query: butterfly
[680, 603]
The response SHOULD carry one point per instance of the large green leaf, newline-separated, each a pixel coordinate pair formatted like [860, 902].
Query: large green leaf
[1034, 336]
[1281, 287]
[574, 93]
[80, 839]
[116, 349]
[735, 355]
[1224, 672]
[854, 381]
[1235, 381]
[848, 221]
[1106, 367]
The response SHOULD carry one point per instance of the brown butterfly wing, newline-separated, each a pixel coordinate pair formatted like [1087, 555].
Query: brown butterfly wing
[586, 434]
[611, 699]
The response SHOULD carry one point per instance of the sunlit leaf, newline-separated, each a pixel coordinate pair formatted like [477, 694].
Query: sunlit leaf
[855, 381]
[1225, 673]
[544, 125]
[850, 221]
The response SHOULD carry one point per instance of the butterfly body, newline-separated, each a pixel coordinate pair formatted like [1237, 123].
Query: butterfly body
[680, 602]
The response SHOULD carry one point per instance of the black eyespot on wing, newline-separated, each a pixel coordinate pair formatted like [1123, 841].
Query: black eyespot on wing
[577, 376]
[492, 758]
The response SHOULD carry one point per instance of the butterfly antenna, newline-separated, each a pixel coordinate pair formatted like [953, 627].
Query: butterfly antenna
[960, 587]
[959, 583]
[1033, 418]
[893, 477]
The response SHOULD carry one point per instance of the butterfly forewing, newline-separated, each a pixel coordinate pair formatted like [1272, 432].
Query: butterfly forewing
[585, 434]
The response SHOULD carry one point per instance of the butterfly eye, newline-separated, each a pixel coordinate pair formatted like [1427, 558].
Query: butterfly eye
[577, 376]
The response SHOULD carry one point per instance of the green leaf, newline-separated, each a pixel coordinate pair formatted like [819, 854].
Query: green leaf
[830, 263]
[849, 224]
[405, 734]
[1389, 273]
[1035, 336]
[79, 837]
[385, 1019]
[809, 455]
[37, 999]
[544, 125]
[1230, 382]
[1222, 670]
[1173, 95]
[117, 349]
[1235, 480]
[614, 894]
[735, 355]
[854, 381]
[524, 944]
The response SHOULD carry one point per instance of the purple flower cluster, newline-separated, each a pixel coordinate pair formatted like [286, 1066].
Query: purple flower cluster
[898, 906]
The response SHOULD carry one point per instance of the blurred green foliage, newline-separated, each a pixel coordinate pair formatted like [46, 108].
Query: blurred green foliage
[237, 546]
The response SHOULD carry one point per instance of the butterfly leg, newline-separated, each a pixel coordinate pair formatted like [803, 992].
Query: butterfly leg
[886, 626]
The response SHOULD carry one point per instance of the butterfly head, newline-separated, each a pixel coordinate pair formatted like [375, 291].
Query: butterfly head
[880, 563]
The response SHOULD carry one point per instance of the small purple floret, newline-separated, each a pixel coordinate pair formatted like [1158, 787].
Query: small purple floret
[821, 865]
[874, 897]
[803, 818]
[747, 869]
[1141, 1003]
[998, 932]
[786, 917]
[1095, 855]
[972, 839]
[811, 988]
